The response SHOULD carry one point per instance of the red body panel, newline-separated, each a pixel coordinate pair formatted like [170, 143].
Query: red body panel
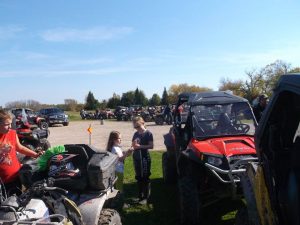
[227, 146]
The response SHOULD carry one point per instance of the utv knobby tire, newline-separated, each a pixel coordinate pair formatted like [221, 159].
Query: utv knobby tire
[169, 168]
[241, 217]
[109, 217]
[189, 201]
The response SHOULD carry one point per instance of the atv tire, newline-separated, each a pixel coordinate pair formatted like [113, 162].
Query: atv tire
[189, 201]
[43, 125]
[109, 217]
[169, 168]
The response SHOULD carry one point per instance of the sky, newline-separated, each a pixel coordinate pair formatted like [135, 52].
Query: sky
[51, 50]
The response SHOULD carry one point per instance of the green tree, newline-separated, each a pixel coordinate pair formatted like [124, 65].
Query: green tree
[154, 100]
[91, 103]
[114, 101]
[127, 98]
[271, 74]
[140, 97]
[165, 97]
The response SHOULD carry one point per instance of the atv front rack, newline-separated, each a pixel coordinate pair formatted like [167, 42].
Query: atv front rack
[232, 172]
[61, 220]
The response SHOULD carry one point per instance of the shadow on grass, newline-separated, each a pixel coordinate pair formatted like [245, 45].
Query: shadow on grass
[164, 207]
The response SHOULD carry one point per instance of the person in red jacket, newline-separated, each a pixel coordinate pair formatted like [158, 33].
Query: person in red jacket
[9, 146]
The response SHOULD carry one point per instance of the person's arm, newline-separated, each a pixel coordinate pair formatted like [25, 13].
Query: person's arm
[26, 151]
[150, 144]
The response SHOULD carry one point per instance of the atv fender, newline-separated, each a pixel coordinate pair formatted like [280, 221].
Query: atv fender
[92, 208]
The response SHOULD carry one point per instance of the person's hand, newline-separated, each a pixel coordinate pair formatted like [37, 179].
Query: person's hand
[135, 145]
[129, 151]
[39, 153]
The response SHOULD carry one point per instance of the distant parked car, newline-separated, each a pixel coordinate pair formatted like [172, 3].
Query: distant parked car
[54, 116]
[30, 116]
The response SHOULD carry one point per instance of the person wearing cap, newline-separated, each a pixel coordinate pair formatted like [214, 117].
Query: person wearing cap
[260, 107]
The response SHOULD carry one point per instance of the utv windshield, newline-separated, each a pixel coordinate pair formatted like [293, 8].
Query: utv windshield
[222, 120]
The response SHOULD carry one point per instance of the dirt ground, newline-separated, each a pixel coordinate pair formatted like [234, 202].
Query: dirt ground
[76, 133]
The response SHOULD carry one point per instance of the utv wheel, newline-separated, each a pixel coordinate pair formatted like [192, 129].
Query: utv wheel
[169, 168]
[189, 201]
[109, 217]
[66, 124]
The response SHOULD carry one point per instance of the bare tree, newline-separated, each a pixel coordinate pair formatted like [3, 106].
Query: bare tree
[32, 104]
[70, 104]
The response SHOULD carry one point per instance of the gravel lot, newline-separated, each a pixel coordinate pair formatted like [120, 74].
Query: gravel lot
[76, 133]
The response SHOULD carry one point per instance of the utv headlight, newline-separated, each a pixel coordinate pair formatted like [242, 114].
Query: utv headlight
[214, 160]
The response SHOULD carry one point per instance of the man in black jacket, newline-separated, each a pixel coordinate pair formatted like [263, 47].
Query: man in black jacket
[260, 107]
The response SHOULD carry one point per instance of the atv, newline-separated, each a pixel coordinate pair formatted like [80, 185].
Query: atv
[32, 118]
[213, 141]
[88, 176]
[272, 185]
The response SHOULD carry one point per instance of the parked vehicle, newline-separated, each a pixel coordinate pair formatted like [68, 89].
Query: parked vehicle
[272, 185]
[34, 206]
[213, 142]
[54, 116]
[33, 138]
[32, 117]
[84, 177]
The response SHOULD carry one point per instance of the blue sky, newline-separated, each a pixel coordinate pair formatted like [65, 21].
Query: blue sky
[52, 50]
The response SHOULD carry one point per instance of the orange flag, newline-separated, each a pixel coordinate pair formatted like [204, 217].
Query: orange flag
[90, 129]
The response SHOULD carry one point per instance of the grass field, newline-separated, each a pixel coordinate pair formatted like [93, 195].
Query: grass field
[163, 209]
[73, 116]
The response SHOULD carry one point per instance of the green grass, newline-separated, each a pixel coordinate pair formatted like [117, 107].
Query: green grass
[164, 207]
[73, 115]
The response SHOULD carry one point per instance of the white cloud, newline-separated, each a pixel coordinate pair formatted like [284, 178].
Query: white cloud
[82, 35]
[7, 32]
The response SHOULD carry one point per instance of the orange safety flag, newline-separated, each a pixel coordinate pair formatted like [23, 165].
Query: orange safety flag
[90, 129]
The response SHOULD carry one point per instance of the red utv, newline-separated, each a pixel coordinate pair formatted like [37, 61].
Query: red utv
[213, 142]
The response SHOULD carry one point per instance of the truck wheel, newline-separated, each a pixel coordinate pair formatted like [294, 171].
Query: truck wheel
[189, 201]
[109, 217]
[241, 217]
[66, 124]
[169, 168]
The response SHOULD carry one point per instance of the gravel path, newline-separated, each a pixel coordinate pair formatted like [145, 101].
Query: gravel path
[76, 133]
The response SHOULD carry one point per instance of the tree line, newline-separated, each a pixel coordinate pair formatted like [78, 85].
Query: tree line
[258, 81]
